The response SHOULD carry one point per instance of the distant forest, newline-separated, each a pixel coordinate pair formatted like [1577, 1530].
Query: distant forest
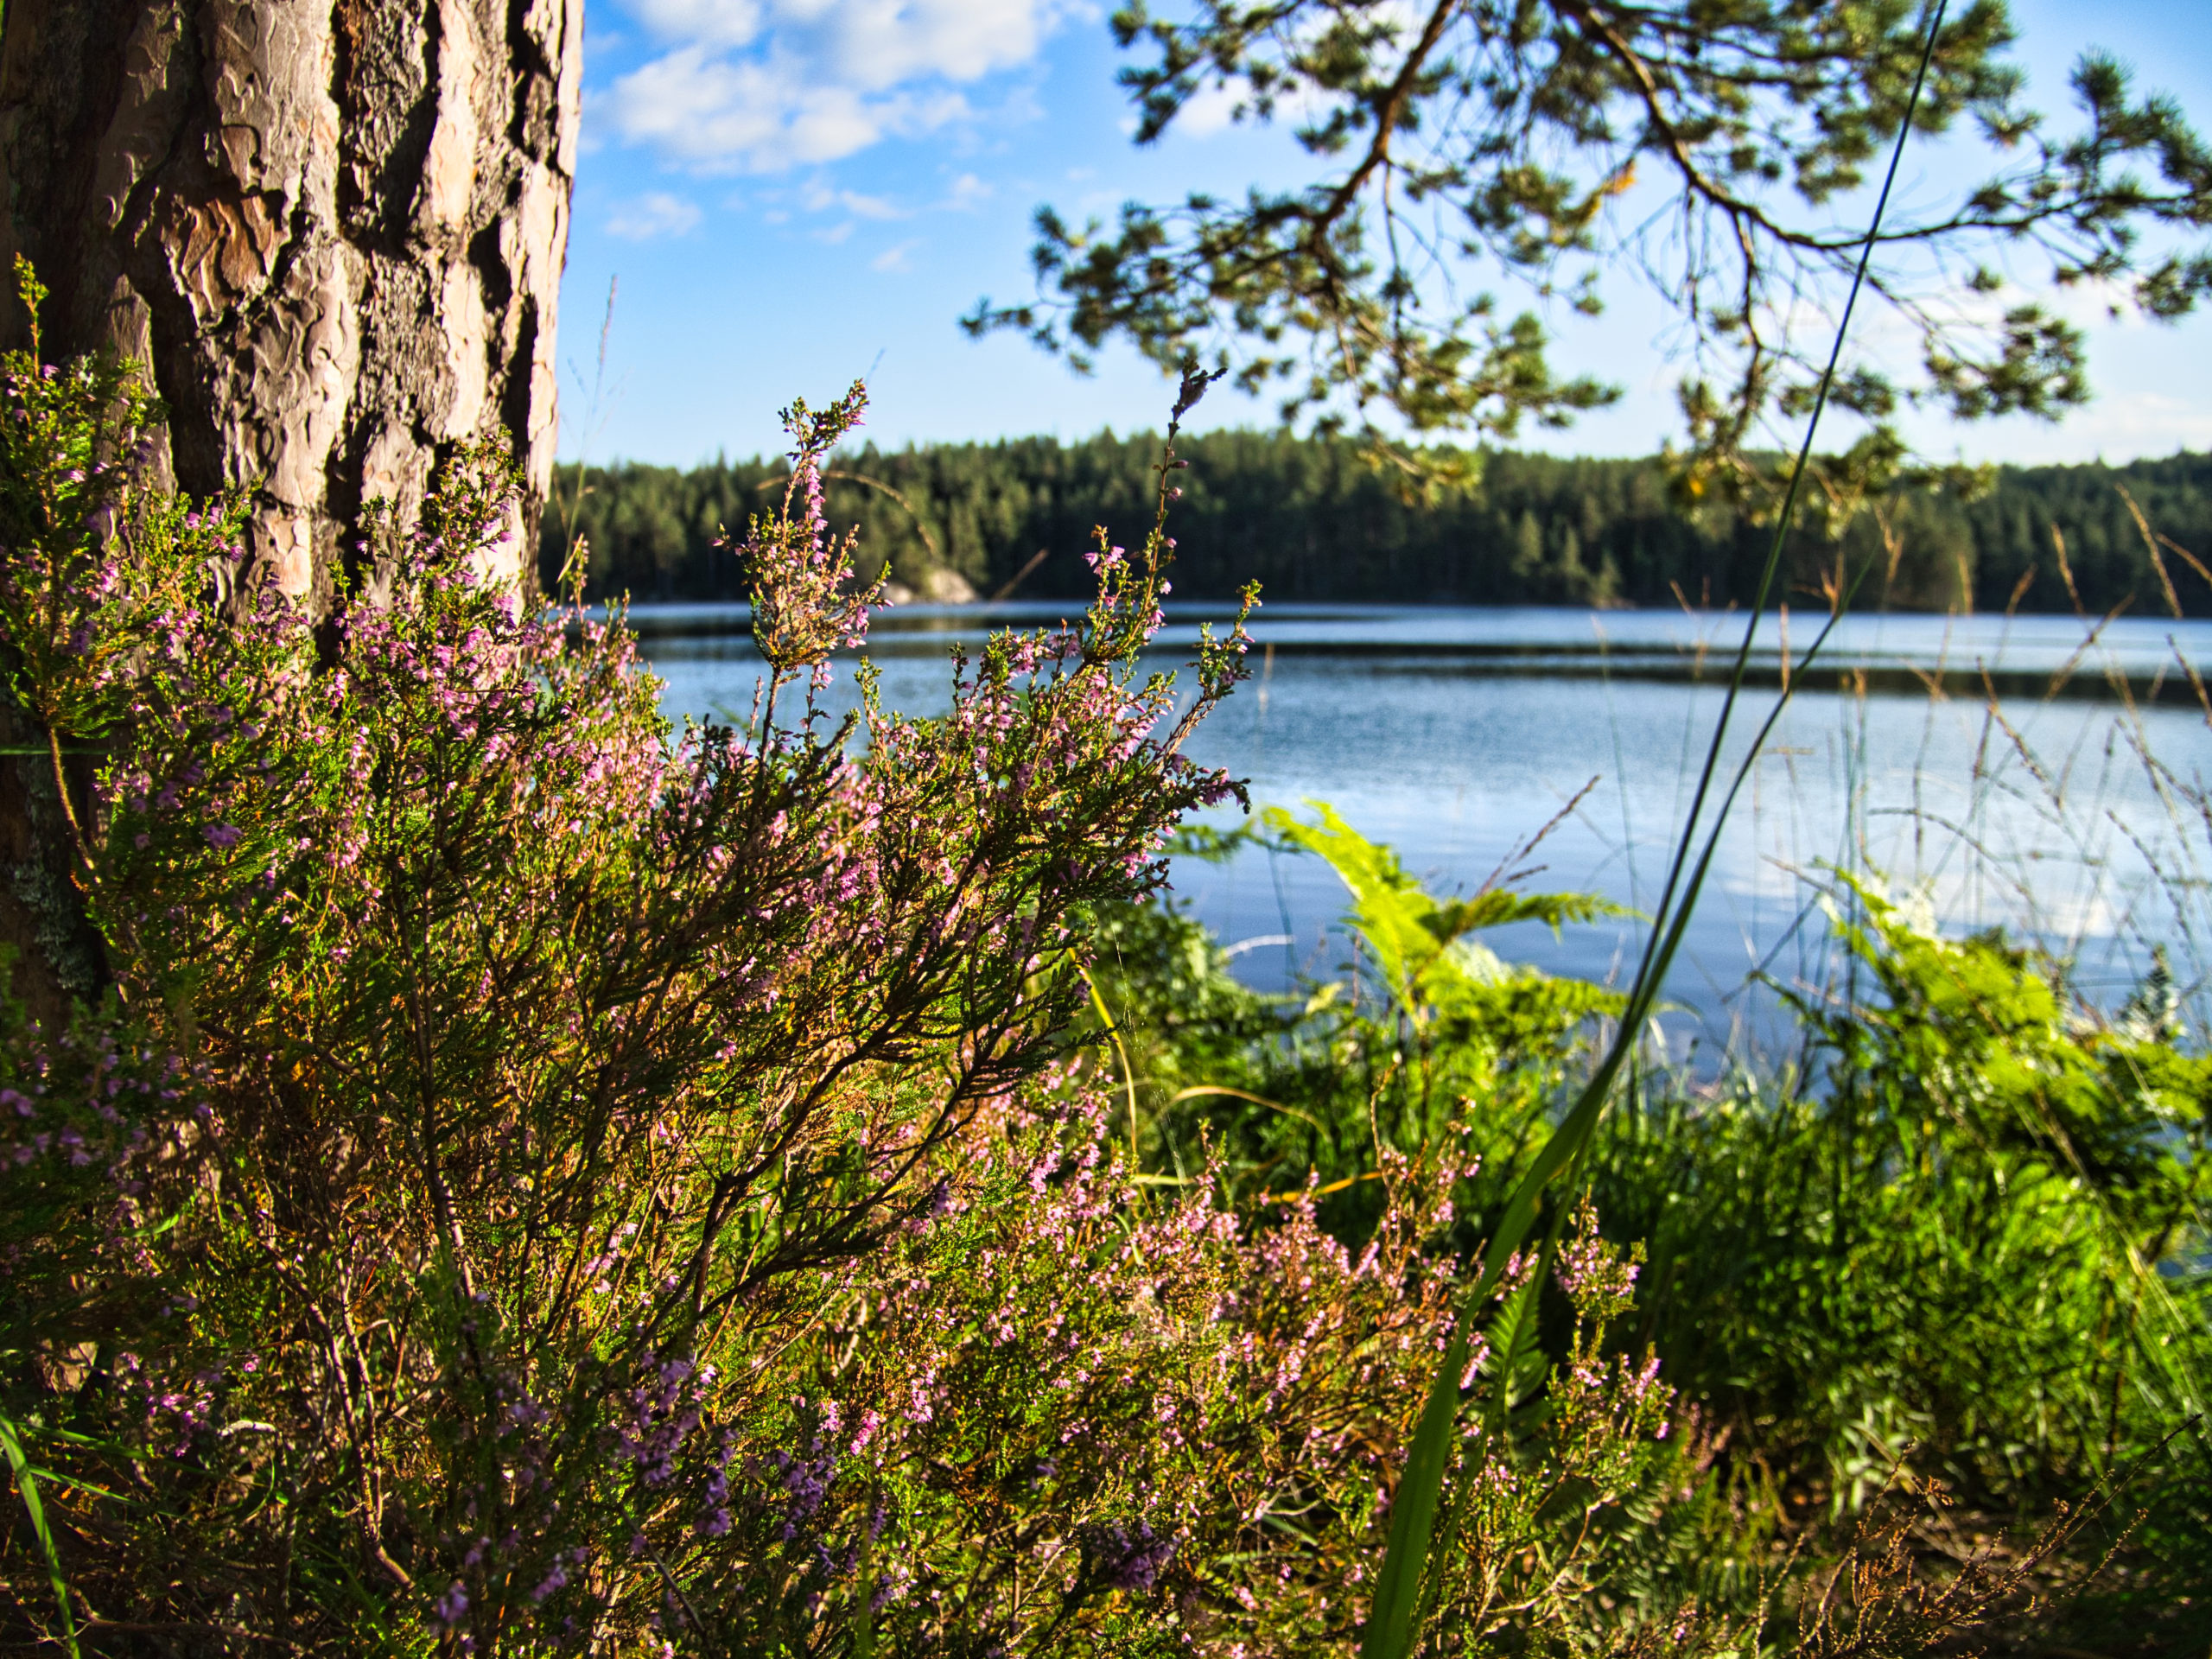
[1309, 520]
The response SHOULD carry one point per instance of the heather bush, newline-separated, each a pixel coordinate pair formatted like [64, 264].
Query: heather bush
[535, 1181]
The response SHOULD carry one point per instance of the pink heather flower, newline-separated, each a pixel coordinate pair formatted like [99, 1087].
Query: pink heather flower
[222, 834]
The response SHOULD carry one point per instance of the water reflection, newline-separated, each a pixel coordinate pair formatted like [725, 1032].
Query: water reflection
[1454, 733]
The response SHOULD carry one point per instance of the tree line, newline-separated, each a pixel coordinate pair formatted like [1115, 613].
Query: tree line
[1310, 519]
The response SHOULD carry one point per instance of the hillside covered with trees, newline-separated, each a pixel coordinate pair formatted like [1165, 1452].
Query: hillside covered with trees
[1310, 519]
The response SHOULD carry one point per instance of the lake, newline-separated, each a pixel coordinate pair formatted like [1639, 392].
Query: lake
[1994, 767]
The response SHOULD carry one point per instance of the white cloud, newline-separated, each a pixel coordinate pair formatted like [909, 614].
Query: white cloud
[968, 192]
[2118, 426]
[1214, 108]
[894, 258]
[760, 86]
[818, 197]
[720, 113]
[1219, 105]
[711, 22]
[884, 42]
[655, 213]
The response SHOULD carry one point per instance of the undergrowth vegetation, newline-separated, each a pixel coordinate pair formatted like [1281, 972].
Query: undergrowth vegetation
[535, 1181]
[1961, 1242]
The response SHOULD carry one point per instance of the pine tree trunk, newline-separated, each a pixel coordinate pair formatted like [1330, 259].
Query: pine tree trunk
[331, 229]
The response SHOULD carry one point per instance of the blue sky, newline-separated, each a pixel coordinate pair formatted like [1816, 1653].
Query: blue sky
[792, 194]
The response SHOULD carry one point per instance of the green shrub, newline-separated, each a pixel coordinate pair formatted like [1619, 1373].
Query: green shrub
[1968, 1241]
[539, 1183]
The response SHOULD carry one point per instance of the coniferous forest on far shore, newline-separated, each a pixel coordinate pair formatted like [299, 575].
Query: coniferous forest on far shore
[1310, 519]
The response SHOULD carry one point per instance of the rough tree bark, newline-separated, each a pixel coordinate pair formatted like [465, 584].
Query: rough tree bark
[331, 229]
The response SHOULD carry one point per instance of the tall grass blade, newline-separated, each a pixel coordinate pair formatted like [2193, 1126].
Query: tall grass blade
[1394, 1619]
[1113, 1029]
[27, 1486]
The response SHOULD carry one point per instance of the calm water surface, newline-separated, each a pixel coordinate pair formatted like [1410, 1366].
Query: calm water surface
[1455, 735]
